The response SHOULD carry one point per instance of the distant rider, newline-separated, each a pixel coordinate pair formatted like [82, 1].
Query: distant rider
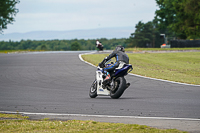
[121, 58]
[98, 43]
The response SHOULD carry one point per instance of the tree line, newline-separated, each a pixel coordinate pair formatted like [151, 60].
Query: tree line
[176, 19]
[57, 45]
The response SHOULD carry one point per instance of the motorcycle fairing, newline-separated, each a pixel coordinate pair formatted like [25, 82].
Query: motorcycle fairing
[100, 90]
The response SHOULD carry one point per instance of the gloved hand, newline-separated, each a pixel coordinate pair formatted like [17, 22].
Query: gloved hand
[101, 65]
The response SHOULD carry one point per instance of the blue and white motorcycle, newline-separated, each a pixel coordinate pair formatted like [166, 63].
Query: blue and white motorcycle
[117, 85]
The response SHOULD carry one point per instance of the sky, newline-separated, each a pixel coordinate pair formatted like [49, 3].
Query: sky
[64, 15]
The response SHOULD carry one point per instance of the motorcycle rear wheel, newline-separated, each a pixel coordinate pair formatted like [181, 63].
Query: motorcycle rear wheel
[93, 90]
[119, 88]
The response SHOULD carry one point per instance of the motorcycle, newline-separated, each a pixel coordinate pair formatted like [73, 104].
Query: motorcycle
[100, 47]
[116, 86]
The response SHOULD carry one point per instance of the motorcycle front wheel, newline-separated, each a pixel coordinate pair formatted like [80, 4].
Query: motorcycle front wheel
[119, 88]
[93, 90]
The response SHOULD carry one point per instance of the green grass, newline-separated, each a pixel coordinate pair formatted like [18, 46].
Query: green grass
[74, 126]
[18, 116]
[160, 49]
[17, 51]
[181, 67]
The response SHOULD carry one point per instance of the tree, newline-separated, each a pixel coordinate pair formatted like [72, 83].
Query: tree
[188, 18]
[165, 16]
[75, 46]
[146, 35]
[179, 17]
[7, 13]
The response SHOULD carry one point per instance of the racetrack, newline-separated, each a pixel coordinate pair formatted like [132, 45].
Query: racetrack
[59, 82]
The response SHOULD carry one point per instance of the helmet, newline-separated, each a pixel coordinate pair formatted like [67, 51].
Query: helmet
[120, 48]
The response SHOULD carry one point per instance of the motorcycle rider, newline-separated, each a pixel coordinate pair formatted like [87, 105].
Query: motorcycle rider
[121, 58]
[97, 42]
[99, 45]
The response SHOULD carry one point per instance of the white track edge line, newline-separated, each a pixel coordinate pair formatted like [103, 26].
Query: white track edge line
[80, 57]
[100, 116]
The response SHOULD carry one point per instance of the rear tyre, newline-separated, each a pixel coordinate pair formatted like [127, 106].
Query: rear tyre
[101, 48]
[93, 90]
[119, 87]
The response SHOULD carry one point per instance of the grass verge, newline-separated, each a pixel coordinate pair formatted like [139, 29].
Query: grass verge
[181, 67]
[18, 51]
[24, 125]
[160, 49]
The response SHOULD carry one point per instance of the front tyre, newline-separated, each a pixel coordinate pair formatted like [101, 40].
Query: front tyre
[119, 88]
[93, 90]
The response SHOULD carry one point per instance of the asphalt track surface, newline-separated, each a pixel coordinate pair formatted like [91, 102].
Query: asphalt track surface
[57, 84]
